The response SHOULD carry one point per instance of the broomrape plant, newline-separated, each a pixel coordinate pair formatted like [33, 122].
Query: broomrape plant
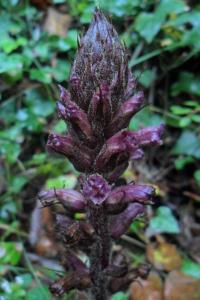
[97, 108]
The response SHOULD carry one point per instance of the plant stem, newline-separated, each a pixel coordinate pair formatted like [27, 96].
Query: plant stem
[100, 252]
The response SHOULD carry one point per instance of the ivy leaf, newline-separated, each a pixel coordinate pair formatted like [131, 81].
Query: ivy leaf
[187, 83]
[188, 143]
[43, 75]
[148, 25]
[191, 268]
[197, 176]
[164, 221]
[119, 296]
[10, 253]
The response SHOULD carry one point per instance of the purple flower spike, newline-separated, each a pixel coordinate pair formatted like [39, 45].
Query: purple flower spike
[97, 108]
[96, 189]
[122, 222]
[70, 199]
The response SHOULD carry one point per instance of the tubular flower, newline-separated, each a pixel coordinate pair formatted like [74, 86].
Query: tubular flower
[97, 108]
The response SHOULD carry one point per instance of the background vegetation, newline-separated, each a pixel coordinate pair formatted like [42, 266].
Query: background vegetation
[37, 46]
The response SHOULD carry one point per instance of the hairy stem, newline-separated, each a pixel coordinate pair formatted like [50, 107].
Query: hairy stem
[100, 253]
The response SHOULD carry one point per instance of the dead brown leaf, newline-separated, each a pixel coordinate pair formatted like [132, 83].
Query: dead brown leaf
[42, 235]
[149, 289]
[163, 256]
[56, 23]
[179, 286]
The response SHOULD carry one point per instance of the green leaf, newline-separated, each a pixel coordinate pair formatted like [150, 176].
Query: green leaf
[191, 268]
[187, 83]
[180, 163]
[191, 38]
[175, 7]
[148, 25]
[17, 183]
[10, 151]
[180, 110]
[192, 17]
[68, 181]
[11, 64]
[120, 8]
[185, 121]
[10, 253]
[60, 127]
[119, 296]
[9, 44]
[188, 143]
[43, 75]
[145, 118]
[163, 222]
[39, 103]
[24, 279]
[70, 41]
[39, 293]
[197, 176]
[195, 118]
[61, 70]
[147, 78]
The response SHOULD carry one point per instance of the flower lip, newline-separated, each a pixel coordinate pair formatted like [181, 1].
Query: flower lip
[96, 189]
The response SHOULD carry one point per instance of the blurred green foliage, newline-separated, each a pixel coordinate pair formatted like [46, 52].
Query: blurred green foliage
[163, 38]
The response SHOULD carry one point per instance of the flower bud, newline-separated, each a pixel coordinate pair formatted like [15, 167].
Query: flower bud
[122, 222]
[69, 111]
[74, 232]
[101, 60]
[73, 261]
[75, 280]
[125, 113]
[66, 146]
[121, 196]
[128, 143]
[149, 135]
[70, 199]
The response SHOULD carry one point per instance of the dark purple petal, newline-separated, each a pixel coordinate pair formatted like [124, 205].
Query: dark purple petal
[117, 171]
[74, 262]
[60, 144]
[100, 106]
[121, 142]
[70, 199]
[123, 195]
[116, 271]
[64, 95]
[75, 280]
[69, 111]
[131, 86]
[96, 189]
[125, 113]
[121, 223]
[150, 135]
[73, 232]
[79, 156]
[129, 143]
